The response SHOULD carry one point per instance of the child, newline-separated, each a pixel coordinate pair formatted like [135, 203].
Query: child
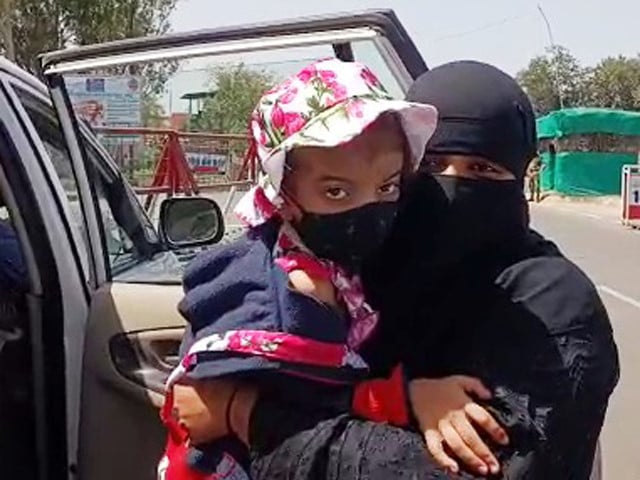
[283, 307]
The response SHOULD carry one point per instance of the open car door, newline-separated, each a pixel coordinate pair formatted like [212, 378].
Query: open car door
[133, 332]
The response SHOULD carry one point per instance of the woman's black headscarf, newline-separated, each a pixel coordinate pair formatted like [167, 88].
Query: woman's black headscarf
[482, 112]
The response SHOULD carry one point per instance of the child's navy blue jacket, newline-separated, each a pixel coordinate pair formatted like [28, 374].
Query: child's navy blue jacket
[245, 318]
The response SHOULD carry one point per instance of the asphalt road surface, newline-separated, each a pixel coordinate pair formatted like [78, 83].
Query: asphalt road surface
[610, 255]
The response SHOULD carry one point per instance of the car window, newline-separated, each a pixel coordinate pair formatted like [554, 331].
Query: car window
[120, 220]
[126, 230]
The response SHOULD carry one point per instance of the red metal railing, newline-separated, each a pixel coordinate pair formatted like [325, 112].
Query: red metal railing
[165, 161]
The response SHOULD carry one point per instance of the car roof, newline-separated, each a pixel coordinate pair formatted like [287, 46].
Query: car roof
[383, 20]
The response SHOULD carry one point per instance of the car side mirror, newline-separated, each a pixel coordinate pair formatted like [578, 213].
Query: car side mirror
[191, 221]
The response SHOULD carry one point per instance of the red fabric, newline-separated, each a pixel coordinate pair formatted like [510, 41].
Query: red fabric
[383, 400]
[301, 261]
[282, 346]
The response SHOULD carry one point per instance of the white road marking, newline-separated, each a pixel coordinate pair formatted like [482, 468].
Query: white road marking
[620, 296]
[591, 215]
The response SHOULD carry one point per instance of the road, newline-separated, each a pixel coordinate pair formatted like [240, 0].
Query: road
[610, 255]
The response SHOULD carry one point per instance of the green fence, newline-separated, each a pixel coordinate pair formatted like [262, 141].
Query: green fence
[584, 173]
[591, 145]
[577, 121]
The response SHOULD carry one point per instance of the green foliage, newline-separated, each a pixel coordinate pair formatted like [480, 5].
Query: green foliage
[549, 77]
[91, 21]
[33, 27]
[615, 83]
[38, 26]
[237, 91]
[152, 111]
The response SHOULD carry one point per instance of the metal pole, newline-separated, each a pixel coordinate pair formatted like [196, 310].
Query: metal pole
[553, 49]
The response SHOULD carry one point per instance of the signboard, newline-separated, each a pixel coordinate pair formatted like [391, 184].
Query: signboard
[208, 162]
[631, 195]
[106, 101]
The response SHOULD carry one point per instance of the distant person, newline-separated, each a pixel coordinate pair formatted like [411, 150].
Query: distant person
[534, 169]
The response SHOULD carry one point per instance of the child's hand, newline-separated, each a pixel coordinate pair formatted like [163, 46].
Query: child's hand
[447, 414]
[202, 408]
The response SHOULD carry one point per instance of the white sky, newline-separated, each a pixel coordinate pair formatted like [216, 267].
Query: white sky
[506, 33]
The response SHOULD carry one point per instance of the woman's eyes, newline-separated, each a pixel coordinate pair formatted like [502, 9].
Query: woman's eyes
[336, 193]
[433, 165]
[389, 189]
[484, 168]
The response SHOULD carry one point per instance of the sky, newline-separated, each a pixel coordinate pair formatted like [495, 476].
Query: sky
[506, 33]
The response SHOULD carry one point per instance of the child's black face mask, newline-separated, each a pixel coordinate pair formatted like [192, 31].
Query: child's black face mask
[348, 237]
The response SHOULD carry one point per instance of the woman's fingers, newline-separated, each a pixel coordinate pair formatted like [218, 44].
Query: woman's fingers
[489, 424]
[470, 437]
[433, 440]
[473, 385]
[460, 448]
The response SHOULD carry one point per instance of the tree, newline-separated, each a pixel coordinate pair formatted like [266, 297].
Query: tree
[91, 21]
[96, 22]
[6, 29]
[549, 77]
[152, 113]
[615, 83]
[237, 91]
[39, 26]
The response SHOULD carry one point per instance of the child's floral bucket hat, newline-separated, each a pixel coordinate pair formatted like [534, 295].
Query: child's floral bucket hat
[325, 105]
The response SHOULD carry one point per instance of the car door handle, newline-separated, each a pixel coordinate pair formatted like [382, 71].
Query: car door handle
[147, 357]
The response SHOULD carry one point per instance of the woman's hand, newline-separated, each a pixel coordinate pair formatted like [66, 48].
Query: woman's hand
[204, 409]
[447, 413]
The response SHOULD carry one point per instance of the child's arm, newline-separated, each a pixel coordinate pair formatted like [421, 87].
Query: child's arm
[201, 406]
[318, 288]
